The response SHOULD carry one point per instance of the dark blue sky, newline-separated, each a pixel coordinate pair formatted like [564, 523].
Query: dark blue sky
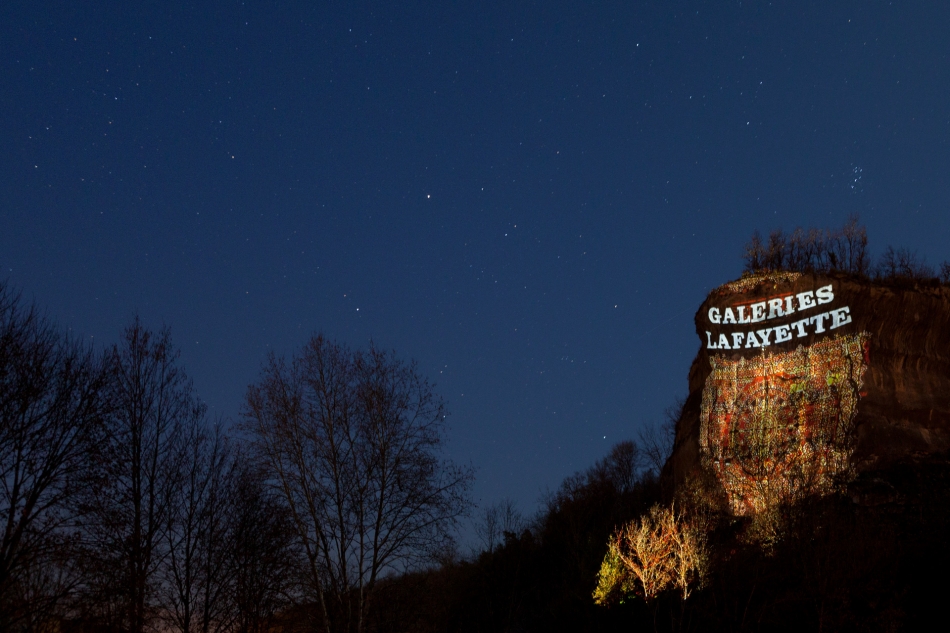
[530, 198]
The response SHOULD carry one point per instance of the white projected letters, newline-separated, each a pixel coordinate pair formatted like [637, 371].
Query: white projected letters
[778, 307]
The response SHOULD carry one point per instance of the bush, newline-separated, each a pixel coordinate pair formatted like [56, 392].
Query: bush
[841, 250]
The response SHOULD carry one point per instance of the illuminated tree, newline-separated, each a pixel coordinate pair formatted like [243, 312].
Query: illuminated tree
[647, 556]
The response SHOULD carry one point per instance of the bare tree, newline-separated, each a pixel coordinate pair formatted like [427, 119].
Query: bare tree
[621, 466]
[657, 440]
[197, 580]
[51, 404]
[754, 254]
[352, 440]
[775, 254]
[263, 553]
[851, 249]
[800, 253]
[902, 263]
[497, 522]
[140, 472]
[841, 250]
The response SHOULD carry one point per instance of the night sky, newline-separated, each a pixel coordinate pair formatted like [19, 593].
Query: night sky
[529, 198]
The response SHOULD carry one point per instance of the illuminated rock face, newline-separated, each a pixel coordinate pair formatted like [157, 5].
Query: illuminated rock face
[802, 380]
[779, 425]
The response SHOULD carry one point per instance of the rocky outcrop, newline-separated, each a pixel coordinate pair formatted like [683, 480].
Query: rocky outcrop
[801, 378]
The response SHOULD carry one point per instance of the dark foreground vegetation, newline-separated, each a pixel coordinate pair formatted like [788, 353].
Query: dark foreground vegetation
[124, 508]
[867, 559]
[328, 507]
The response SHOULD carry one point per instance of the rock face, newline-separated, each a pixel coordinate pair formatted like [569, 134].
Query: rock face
[804, 378]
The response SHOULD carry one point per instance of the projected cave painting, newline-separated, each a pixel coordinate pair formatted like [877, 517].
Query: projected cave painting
[776, 425]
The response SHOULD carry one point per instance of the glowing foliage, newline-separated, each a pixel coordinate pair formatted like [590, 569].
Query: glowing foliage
[659, 551]
[778, 426]
[614, 580]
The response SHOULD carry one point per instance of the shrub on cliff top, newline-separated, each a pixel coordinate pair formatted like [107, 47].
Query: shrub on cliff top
[843, 250]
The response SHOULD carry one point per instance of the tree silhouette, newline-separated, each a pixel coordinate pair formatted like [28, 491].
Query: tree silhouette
[51, 406]
[140, 469]
[352, 441]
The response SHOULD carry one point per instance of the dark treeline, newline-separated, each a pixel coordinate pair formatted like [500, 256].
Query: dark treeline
[124, 508]
[538, 576]
[843, 250]
[866, 559]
